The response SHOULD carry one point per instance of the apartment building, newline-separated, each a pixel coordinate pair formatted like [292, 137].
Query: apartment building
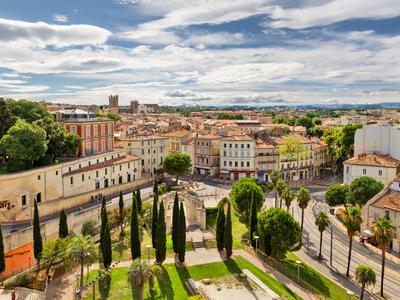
[152, 151]
[206, 154]
[188, 149]
[267, 159]
[237, 157]
[176, 139]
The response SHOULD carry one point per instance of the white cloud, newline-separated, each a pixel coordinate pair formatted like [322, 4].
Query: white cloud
[74, 87]
[216, 39]
[22, 88]
[331, 12]
[41, 34]
[60, 18]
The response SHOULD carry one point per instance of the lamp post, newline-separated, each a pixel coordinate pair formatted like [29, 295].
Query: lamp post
[148, 253]
[331, 246]
[298, 262]
[78, 292]
[350, 293]
[256, 237]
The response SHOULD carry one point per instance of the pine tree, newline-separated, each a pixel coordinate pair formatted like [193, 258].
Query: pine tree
[220, 228]
[253, 221]
[37, 237]
[228, 233]
[2, 255]
[161, 248]
[104, 221]
[175, 223]
[107, 252]
[181, 240]
[139, 201]
[63, 225]
[135, 238]
[121, 211]
[154, 219]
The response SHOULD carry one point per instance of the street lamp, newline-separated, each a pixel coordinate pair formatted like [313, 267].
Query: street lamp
[148, 253]
[298, 262]
[350, 293]
[256, 237]
[331, 252]
[78, 292]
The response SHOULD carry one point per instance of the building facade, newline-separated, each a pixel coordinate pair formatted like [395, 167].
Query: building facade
[176, 140]
[206, 154]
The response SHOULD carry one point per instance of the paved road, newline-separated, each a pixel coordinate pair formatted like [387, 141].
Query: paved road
[360, 254]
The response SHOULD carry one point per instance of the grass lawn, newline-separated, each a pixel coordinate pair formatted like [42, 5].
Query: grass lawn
[238, 229]
[170, 282]
[3, 170]
[318, 282]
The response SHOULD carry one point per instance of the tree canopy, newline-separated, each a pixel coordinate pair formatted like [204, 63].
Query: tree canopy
[362, 189]
[177, 164]
[336, 194]
[242, 193]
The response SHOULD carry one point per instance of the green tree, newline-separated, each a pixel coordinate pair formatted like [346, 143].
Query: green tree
[303, 199]
[155, 187]
[24, 142]
[138, 275]
[384, 233]
[28, 110]
[362, 189]
[253, 221]
[365, 275]
[7, 119]
[241, 194]
[220, 228]
[104, 221]
[121, 213]
[337, 194]
[139, 200]
[63, 225]
[55, 254]
[135, 238]
[228, 233]
[175, 223]
[177, 164]
[275, 176]
[161, 248]
[278, 232]
[37, 236]
[2, 255]
[89, 228]
[288, 195]
[352, 219]
[107, 252]
[280, 187]
[154, 218]
[322, 222]
[83, 251]
[182, 234]
[292, 149]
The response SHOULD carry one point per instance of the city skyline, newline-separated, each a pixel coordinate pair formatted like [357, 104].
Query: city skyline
[201, 53]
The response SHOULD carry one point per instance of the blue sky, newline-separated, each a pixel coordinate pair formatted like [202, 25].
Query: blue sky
[254, 52]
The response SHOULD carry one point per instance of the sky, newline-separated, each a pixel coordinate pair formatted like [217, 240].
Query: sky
[203, 52]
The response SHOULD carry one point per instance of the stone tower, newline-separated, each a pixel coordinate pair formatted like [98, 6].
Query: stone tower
[113, 103]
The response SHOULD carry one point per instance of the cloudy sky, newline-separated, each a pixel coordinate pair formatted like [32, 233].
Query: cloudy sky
[255, 52]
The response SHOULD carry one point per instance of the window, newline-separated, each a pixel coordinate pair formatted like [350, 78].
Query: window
[120, 179]
[380, 172]
[73, 129]
[224, 153]
[248, 164]
[364, 171]
[347, 170]
[387, 214]
[23, 200]
[71, 180]
[230, 163]
[95, 130]
[242, 164]
[56, 173]
[230, 145]
[39, 197]
[224, 145]
[103, 129]
[106, 182]
[87, 131]
[38, 178]
[69, 169]
[236, 163]
[97, 184]
[105, 171]
[248, 145]
[236, 145]
[225, 164]
[83, 177]
[242, 146]
[120, 167]
[97, 173]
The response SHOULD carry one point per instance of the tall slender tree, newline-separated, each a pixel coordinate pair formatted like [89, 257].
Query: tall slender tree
[139, 200]
[104, 221]
[175, 223]
[2, 255]
[352, 219]
[154, 218]
[303, 199]
[220, 228]
[63, 225]
[322, 221]
[288, 195]
[135, 238]
[253, 222]
[121, 212]
[384, 233]
[182, 234]
[365, 275]
[107, 251]
[155, 187]
[228, 233]
[37, 236]
[161, 248]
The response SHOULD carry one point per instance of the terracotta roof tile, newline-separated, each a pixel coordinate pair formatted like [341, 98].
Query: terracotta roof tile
[377, 160]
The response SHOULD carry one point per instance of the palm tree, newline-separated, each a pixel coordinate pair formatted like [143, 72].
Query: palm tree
[303, 198]
[139, 273]
[322, 221]
[288, 195]
[352, 219]
[365, 276]
[275, 176]
[280, 187]
[384, 233]
[83, 251]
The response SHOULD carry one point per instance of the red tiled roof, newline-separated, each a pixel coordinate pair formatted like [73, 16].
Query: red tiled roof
[389, 200]
[377, 160]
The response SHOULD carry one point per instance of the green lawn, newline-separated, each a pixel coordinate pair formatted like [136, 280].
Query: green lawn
[318, 282]
[170, 282]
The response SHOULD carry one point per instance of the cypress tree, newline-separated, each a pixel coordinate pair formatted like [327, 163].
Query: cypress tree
[139, 201]
[107, 252]
[228, 233]
[253, 221]
[63, 225]
[37, 236]
[155, 187]
[2, 256]
[104, 221]
[161, 248]
[175, 223]
[135, 239]
[154, 219]
[181, 243]
[121, 211]
[220, 228]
